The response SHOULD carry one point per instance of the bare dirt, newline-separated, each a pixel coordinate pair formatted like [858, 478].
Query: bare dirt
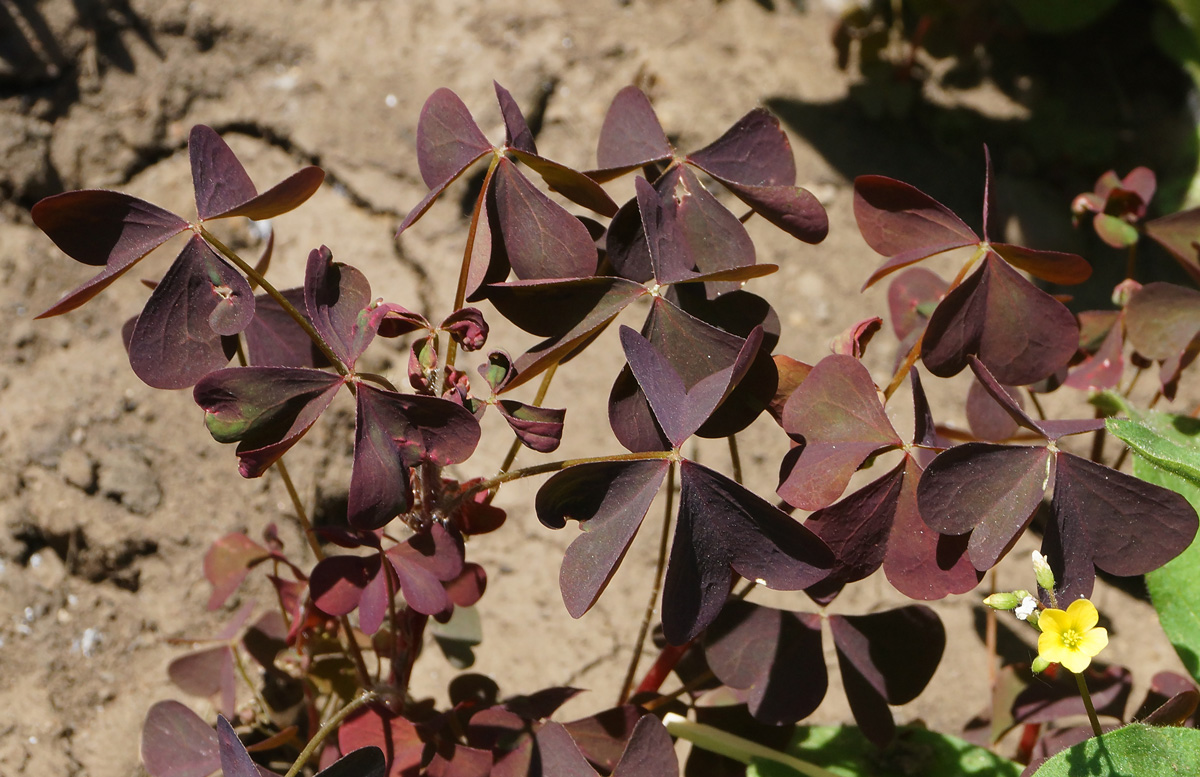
[111, 492]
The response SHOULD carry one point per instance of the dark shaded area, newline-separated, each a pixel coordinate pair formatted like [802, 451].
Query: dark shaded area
[115, 564]
[1103, 97]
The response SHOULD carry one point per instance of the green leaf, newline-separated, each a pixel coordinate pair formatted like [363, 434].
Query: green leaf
[1139, 750]
[1175, 588]
[844, 751]
[1167, 441]
[1060, 16]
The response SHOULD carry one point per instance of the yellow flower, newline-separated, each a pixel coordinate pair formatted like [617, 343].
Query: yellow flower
[1071, 638]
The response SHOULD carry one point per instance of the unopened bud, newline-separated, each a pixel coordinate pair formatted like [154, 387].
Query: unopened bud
[1003, 601]
[1039, 665]
[1042, 571]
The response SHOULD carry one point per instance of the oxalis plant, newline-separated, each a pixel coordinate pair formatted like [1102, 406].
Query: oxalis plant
[320, 680]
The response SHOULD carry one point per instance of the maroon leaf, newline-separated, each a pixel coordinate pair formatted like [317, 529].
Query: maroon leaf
[1162, 320]
[228, 562]
[176, 742]
[338, 298]
[463, 762]
[681, 410]
[337, 582]
[448, 139]
[235, 761]
[207, 673]
[363, 762]
[753, 152]
[558, 755]
[989, 490]
[920, 563]
[856, 529]
[650, 753]
[1051, 698]
[710, 238]
[625, 241]
[1050, 266]
[394, 432]
[745, 648]
[609, 499]
[517, 135]
[266, 410]
[540, 239]
[274, 339]
[288, 194]
[468, 328]
[220, 181]
[396, 736]
[1052, 429]
[905, 224]
[1125, 526]
[1178, 234]
[604, 737]
[498, 371]
[837, 411]
[886, 658]
[467, 589]
[1018, 331]
[791, 208]
[178, 336]
[723, 529]
[573, 185]
[988, 419]
[912, 297]
[102, 228]
[853, 340]
[1105, 368]
[631, 135]
[538, 428]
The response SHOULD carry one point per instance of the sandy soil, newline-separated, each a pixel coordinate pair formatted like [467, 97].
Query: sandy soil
[111, 492]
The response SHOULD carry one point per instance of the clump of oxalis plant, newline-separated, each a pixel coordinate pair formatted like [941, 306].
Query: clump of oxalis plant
[320, 679]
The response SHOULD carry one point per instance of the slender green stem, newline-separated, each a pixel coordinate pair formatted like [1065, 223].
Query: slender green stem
[1131, 263]
[660, 567]
[328, 728]
[282, 301]
[464, 272]
[360, 663]
[732, 746]
[735, 459]
[240, 665]
[1087, 702]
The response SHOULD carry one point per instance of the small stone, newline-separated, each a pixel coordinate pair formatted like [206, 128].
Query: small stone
[47, 569]
[126, 476]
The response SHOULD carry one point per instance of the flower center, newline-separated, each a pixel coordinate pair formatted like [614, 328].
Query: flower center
[1071, 638]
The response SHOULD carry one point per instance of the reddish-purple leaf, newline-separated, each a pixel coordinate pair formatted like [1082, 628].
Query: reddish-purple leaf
[363, 762]
[609, 499]
[753, 152]
[541, 240]
[338, 298]
[1105, 368]
[176, 742]
[266, 410]
[1048, 699]
[853, 340]
[724, 529]
[178, 336]
[912, 297]
[791, 208]
[517, 135]
[989, 490]
[228, 562]
[102, 228]
[681, 410]
[558, 755]
[1125, 526]
[625, 241]
[422, 588]
[1018, 331]
[856, 529]
[467, 589]
[1052, 429]
[572, 184]
[274, 339]
[1178, 233]
[920, 563]
[463, 761]
[448, 139]
[498, 371]
[207, 673]
[924, 429]
[650, 753]
[791, 374]
[1162, 319]
[886, 658]
[838, 413]
[235, 761]
[337, 582]
[747, 646]
[896, 218]
[223, 188]
[630, 137]
[394, 432]
[988, 419]
[395, 735]
[708, 238]
[538, 428]
[604, 737]
[1050, 266]
[468, 328]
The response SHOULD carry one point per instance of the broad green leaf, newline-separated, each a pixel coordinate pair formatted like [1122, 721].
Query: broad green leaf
[1146, 751]
[1175, 588]
[844, 751]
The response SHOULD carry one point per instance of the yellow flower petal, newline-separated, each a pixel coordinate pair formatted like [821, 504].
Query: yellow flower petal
[1055, 621]
[1094, 641]
[1083, 614]
[1071, 638]
[1051, 647]
[1076, 661]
